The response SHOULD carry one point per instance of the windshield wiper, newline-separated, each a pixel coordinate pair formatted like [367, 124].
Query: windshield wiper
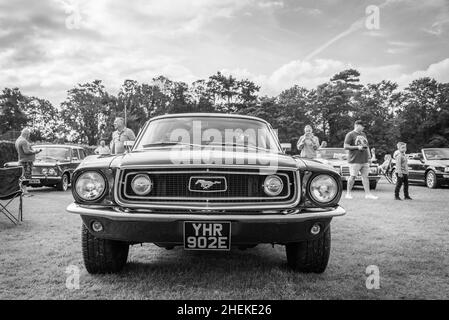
[157, 144]
[238, 145]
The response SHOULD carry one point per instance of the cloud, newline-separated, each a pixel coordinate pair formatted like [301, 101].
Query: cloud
[271, 4]
[438, 71]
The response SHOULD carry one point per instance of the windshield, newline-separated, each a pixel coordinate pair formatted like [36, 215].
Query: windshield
[53, 153]
[335, 154]
[209, 131]
[437, 154]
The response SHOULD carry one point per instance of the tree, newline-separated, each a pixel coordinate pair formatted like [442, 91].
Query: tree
[12, 114]
[85, 112]
[43, 119]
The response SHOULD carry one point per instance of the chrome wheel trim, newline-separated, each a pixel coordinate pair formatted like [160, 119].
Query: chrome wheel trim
[430, 179]
[65, 182]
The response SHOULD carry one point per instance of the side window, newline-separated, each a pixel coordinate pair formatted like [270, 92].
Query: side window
[82, 154]
[75, 154]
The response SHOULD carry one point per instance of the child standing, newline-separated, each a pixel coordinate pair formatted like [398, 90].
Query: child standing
[401, 171]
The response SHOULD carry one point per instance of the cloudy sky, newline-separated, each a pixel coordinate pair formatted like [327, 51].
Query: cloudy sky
[48, 46]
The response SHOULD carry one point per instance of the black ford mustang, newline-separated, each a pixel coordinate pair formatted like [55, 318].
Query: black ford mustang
[205, 182]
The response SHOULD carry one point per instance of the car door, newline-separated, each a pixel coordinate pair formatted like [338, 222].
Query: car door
[416, 167]
[75, 160]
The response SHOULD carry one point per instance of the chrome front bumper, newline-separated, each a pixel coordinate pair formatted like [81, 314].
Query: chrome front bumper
[167, 228]
[171, 217]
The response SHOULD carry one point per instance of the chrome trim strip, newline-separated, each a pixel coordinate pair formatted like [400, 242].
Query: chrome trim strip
[217, 200]
[173, 217]
[210, 166]
[216, 206]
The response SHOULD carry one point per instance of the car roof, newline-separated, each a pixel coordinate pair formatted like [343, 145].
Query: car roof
[210, 115]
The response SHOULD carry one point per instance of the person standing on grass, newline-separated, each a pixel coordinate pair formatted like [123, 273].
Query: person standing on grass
[401, 171]
[308, 143]
[358, 158]
[102, 149]
[120, 135]
[26, 156]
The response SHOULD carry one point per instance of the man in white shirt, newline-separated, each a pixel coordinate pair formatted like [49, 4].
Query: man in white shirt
[120, 135]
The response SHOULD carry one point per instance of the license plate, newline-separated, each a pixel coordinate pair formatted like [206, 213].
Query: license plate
[200, 235]
[35, 181]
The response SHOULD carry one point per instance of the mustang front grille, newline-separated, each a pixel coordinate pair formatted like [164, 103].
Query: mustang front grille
[206, 187]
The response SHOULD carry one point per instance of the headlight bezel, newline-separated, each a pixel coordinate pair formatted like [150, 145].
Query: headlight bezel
[79, 198]
[334, 200]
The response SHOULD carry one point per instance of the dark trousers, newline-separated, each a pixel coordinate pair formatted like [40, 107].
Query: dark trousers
[399, 182]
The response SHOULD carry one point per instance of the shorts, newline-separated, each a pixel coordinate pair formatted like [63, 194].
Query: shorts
[27, 169]
[355, 168]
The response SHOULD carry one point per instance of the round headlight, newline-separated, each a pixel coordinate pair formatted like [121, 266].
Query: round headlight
[273, 185]
[323, 188]
[44, 170]
[141, 184]
[52, 171]
[90, 186]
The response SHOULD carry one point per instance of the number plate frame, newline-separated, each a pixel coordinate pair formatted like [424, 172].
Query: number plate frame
[225, 227]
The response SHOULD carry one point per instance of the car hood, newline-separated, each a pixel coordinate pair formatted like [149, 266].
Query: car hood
[37, 163]
[333, 162]
[438, 163]
[195, 155]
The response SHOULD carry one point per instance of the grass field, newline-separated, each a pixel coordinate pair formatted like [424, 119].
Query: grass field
[407, 241]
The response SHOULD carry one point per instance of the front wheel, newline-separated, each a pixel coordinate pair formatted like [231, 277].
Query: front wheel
[431, 180]
[63, 185]
[310, 255]
[103, 255]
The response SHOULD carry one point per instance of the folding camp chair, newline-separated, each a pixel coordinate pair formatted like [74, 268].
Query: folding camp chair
[387, 173]
[11, 189]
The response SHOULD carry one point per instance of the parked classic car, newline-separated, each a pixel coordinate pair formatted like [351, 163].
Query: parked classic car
[429, 167]
[183, 185]
[338, 159]
[54, 166]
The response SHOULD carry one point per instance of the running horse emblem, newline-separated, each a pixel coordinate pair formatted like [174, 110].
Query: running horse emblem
[206, 184]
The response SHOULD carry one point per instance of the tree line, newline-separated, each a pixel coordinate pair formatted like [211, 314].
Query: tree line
[417, 114]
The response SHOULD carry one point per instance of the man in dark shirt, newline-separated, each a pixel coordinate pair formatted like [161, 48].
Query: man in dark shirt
[358, 158]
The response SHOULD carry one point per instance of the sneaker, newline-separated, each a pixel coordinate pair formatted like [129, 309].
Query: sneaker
[408, 198]
[397, 198]
[348, 196]
[371, 197]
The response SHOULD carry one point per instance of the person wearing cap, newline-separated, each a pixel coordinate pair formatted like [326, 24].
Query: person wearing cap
[359, 156]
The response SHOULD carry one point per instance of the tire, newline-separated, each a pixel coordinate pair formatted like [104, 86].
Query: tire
[102, 255]
[63, 185]
[311, 255]
[394, 177]
[372, 185]
[431, 180]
